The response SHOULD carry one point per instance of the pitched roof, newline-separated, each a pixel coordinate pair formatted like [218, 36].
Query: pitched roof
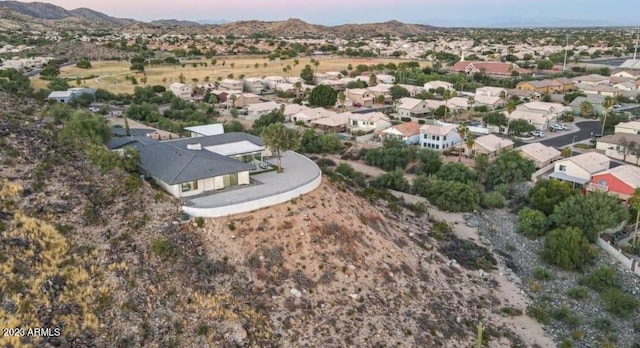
[602, 88]
[441, 130]
[265, 106]
[176, 161]
[407, 129]
[497, 68]
[591, 78]
[627, 173]
[370, 117]
[492, 143]
[592, 162]
[408, 103]
[539, 152]
[335, 120]
[630, 125]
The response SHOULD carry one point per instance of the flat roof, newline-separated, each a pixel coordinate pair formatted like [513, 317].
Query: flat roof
[237, 148]
[565, 177]
[208, 129]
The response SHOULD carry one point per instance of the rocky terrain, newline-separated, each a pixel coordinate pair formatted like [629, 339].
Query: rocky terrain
[110, 260]
[43, 16]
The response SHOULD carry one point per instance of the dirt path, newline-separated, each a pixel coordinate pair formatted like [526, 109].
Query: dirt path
[508, 292]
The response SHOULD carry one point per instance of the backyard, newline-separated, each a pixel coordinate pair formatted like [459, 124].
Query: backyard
[112, 75]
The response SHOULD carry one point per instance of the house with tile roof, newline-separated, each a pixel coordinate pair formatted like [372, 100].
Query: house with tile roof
[490, 145]
[619, 182]
[408, 133]
[540, 154]
[412, 107]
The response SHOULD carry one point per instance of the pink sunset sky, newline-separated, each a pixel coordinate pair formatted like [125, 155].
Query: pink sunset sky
[438, 12]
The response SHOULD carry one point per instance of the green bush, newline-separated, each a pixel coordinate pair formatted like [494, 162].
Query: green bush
[619, 303]
[492, 200]
[567, 248]
[578, 292]
[565, 315]
[541, 311]
[531, 223]
[162, 248]
[546, 194]
[601, 279]
[447, 195]
[541, 273]
[456, 171]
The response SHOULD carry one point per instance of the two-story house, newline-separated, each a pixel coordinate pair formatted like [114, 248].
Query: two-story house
[408, 133]
[360, 97]
[253, 84]
[579, 169]
[181, 90]
[619, 182]
[270, 82]
[231, 85]
[439, 137]
[412, 107]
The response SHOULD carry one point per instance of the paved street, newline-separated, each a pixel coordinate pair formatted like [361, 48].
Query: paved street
[586, 128]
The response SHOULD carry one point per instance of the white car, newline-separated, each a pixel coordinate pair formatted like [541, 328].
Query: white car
[538, 133]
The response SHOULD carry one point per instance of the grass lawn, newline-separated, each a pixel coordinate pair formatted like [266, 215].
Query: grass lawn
[112, 73]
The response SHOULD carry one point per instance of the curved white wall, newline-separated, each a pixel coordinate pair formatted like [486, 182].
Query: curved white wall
[260, 203]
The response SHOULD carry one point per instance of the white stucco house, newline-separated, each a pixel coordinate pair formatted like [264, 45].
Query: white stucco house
[253, 84]
[191, 166]
[579, 169]
[254, 111]
[408, 133]
[631, 127]
[372, 121]
[412, 107]
[440, 136]
[438, 84]
[231, 85]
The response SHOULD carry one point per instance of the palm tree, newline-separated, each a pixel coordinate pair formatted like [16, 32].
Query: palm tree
[634, 202]
[471, 101]
[316, 63]
[470, 141]
[233, 99]
[342, 98]
[373, 80]
[298, 88]
[511, 107]
[448, 95]
[607, 103]
[463, 131]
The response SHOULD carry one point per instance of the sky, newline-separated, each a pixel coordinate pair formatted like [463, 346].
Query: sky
[450, 13]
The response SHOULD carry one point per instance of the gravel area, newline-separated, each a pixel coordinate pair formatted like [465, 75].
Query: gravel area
[519, 257]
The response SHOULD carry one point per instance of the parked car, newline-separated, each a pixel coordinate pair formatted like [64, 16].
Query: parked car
[538, 133]
[559, 126]
[617, 106]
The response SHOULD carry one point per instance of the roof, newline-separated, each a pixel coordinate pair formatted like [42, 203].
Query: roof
[539, 152]
[133, 132]
[60, 94]
[291, 109]
[485, 99]
[237, 148]
[370, 117]
[407, 129]
[594, 99]
[630, 125]
[492, 143]
[620, 139]
[497, 68]
[590, 78]
[408, 103]
[335, 120]
[119, 143]
[441, 130]
[591, 162]
[357, 91]
[435, 84]
[209, 129]
[175, 161]
[602, 88]
[266, 106]
[627, 173]
[631, 64]
[563, 176]
[312, 114]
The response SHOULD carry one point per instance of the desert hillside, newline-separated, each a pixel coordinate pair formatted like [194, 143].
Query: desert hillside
[110, 260]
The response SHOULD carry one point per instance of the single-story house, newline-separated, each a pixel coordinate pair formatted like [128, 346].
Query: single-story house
[254, 111]
[490, 145]
[307, 115]
[441, 136]
[434, 85]
[605, 90]
[292, 109]
[549, 86]
[630, 74]
[206, 130]
[332, 123]
[192, 166]
[243, 100]
[385, 78]
[490, 91]
[619, 182]
[70, 95]
[631, 127]
[412, 107]
[413, 90]
[408, 133]
[591, 80]
[579, 169]
[381, 90]
[541, 155]
[621, 146]
[372, 121]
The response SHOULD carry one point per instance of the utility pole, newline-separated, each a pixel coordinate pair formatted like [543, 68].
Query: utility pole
[566, 50]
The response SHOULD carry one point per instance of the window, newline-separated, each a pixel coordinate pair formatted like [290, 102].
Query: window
[602, 182]
[438, 138]
[444, 138]
[562, 168]
[189, 186]
[438, 147]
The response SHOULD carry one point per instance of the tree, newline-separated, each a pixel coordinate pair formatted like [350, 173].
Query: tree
[495, 118]
[470, 141]
[137, 67]
[518, 127]
[448, 94]
[586, 109]
[429, 162]
[532, 223]
[312, 142]
[233, 99]
[607, 104]
[50, 70]
[398, 92]
[546, 194]
[373, 80]
[511, 107]
[264, 121]
[634, 202]
[307, 74]
[233, 127]
[545, 64]
[394, 180]
[591, 214]
[342, 98]
[83, 64]
[481, 163]
[509, 168]
[567, 248]
[447, 195]
[58, 84]
[455, 171]
[279, 139]
[83, 129]
[323, 96]
[463, 131]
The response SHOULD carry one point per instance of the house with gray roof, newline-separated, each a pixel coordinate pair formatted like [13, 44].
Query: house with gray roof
[188, 167]
[70, 95]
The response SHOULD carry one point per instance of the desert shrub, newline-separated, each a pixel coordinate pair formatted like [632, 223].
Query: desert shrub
[546, 194]
[394, 180]
[619, 303]
[531, 223]
[540, 310]
[567, 248]
[162, 248]
[578, 292]
[541, 273]
[565, 315]
[492, 200]
[447, 195]
[601, 279]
